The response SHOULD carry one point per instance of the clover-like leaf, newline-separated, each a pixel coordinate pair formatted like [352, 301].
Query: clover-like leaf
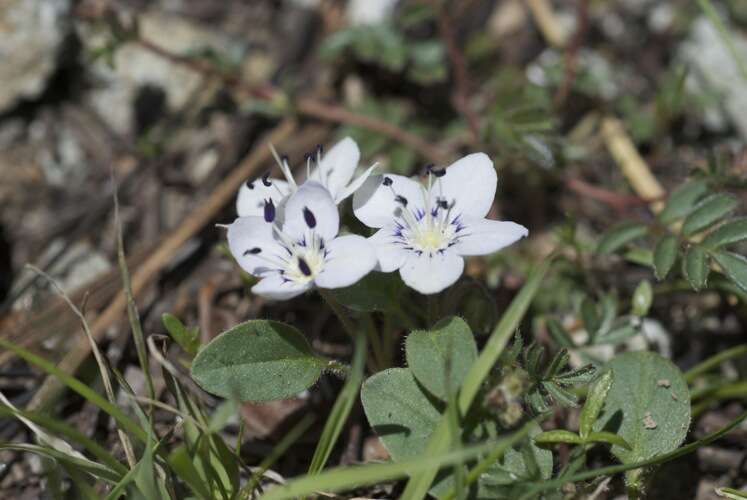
[441, 357]
[257, 361]
[648, 405]
[399, 412]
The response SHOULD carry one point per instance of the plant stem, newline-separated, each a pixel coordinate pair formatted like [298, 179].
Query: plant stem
[340, 312]
[714, 361]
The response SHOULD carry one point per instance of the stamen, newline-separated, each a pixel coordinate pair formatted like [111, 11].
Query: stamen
[442, 203]
[438, 172]
[269, 210]
[252, 251]
[387, 181]
[266, 179]
[308, 216]
[304, 267]
[284, 167]
[401, 200]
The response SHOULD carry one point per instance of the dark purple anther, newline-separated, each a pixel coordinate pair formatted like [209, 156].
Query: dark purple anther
[304, 267]
[269, 211]
[266, 179]
[308, 216]
[387, 181]
[252, 251]
[401, 200]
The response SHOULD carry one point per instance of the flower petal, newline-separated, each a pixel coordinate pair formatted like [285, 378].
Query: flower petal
[431, 273]
[338, 166]
[374, 203]
[349, 258]
[389, 251]
[251, 201]
[276, 287]
[355, 185]
[485, 236]
[311, 197]
[252, 244]
[470, 182]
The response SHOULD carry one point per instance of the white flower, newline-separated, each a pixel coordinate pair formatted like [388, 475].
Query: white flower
[333, 170]
[302, 252]
[426, 231]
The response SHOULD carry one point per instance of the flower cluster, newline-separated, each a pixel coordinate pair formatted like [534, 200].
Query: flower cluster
[287, 234]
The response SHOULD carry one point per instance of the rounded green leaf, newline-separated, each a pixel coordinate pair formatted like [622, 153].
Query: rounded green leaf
[399, 412]
[648, 405]
[695, 267]
[620, 235]
[708, 211]
[442, 356]
[665, 255]
[682, 201]
[729, 233]
[643, 297]
[257, 361]
[734, 266]
[375, 292]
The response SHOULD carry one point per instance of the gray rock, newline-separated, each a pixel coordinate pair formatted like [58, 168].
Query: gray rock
[136, 67]
[31, 32]
[714, 75]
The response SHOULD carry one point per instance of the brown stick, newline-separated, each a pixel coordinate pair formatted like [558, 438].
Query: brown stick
[570, 63]
[460, 97]
[151, 266]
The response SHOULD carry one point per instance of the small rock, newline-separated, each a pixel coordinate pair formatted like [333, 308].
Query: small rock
[648, 421]
[31, 32]
[714, 72]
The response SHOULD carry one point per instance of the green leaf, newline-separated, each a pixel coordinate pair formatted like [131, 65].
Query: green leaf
[695, 267]
[257, 361]
[608, 437]
[665, 255]
[734, 266]
[620, 235]
[648, 405]
[399, 412]
[580, 375]
[341, 409]
[440, 358]
[682, 201]
[558, 436]
[375, 292]
[560, 395]
[526, 462]
[590, 316]
[559, 334]
[707, 212]
[188, 339]
[642, 298]
[731, 232]
[593, 405]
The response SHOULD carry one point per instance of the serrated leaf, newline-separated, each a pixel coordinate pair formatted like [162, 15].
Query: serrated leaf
[558, 436]
[608, 437]
[682, 201]
[257, 361]
[594, 402]
[648, 405]
[375, 292]
[560, 395]
[399, 412]
[708, 212]
[620, 235]
[532, 359]
[581, 375]
[734, 266]
[665, 255]
[695, 267]
[729, 233]
[560, 359]
[446, 350]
